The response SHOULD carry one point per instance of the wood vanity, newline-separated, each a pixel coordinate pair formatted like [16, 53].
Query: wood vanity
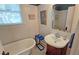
[55, 51]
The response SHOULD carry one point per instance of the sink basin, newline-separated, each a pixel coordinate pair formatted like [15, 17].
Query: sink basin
[58, 42]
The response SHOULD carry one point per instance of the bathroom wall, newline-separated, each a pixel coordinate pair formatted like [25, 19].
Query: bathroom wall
[46, 29]
[62, 15]
[27, 29]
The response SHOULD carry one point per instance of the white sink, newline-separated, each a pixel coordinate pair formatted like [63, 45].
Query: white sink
[54, 41]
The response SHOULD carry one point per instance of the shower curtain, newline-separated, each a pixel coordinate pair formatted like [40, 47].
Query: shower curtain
[75, 29]
[75, 46]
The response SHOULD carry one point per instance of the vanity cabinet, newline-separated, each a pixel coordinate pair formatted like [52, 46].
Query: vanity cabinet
[56, 51]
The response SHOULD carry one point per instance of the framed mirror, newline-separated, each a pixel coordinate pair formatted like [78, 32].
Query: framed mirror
[43, 17]
[61, 12]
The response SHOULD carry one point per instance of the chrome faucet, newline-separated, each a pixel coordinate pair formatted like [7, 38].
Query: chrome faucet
[57, 35]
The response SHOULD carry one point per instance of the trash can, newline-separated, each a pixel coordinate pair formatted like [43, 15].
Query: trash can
[38, 39]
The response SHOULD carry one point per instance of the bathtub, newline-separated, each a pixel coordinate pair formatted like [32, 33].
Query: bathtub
[21, 47]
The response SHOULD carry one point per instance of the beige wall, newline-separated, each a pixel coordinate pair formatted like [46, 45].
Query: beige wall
[27, 29]
[45, 29]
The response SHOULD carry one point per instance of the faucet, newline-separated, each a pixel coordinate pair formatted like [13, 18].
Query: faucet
[57, 35]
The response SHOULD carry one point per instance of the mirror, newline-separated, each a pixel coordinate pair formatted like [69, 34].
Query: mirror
[60, 12]
[43, 17]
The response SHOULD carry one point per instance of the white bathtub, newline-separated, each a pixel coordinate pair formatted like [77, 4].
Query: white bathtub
[21, 47]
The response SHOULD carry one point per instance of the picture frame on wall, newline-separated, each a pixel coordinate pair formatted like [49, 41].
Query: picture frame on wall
[31, 17]
[43, 17]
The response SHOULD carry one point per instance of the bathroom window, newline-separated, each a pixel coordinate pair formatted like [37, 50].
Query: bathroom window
[10, 14]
